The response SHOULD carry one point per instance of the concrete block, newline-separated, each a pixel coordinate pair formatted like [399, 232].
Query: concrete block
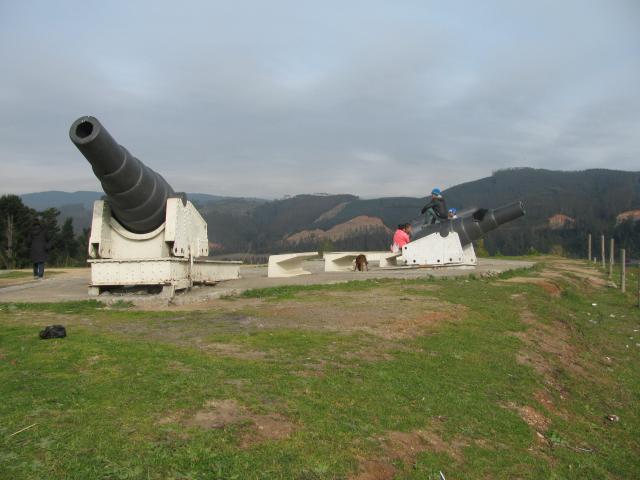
[289, 264]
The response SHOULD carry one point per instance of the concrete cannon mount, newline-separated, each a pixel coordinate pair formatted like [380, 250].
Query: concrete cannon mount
[71, 284]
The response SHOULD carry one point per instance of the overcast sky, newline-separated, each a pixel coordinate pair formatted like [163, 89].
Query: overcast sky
[266, 98]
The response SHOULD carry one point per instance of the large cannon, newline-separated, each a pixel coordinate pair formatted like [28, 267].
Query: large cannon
[136, 194]
[142, 232]
[450, 242]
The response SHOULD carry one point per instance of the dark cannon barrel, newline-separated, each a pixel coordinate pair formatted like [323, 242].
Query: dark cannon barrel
[476, 225]
[136, 194]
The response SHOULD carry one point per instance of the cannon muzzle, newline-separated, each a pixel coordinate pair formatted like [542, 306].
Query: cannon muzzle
[136, 194]
[476, 225]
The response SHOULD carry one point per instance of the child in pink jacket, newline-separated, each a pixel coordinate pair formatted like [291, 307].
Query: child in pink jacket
[401, 237]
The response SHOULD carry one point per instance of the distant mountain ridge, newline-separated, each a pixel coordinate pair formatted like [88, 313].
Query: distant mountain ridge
[592, 199]
[57, 198]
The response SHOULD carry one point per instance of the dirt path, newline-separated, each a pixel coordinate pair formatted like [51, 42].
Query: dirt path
[71, 284]
[65, 285]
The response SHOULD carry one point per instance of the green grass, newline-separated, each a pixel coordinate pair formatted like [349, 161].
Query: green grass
[96, 397]
[286, 292]
[73, 307]
[121, 304]
[23, 274]
[518, 272]
[11, 274]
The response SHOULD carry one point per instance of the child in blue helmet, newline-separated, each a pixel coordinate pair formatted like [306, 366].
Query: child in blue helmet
[453, 213]
[436, 210]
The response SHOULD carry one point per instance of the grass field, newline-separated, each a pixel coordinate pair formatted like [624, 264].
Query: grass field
[505, 377]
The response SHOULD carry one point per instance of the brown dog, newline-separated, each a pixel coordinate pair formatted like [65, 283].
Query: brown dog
[361, 264]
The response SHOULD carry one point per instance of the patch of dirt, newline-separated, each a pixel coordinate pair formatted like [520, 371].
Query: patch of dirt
[552, 288]
[218, 414]
[94, 359]
[177, 366]
[562, 278]
[89, 362]
[373, 352]
[267, 427]
[547, 349]
[173, 417]
[11, 282]
[555, 274]
[235, 351]
[531, 417]
[369, 355]
[590, 275]
[237, 382]
[374, 470]
[486, 444]
[405, 447]
[382, 313]
[313, 369]
[313, 373]
[544, 398]
[539, 364]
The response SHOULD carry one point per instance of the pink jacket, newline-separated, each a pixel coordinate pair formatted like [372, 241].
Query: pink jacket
[400, 239]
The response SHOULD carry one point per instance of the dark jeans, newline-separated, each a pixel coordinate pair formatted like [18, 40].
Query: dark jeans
[430, 217]
[38, 269]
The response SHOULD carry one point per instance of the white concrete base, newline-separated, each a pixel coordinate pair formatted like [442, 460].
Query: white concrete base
[436, 250]
[344, 261]
[205, 271]
[178, 273]
[289, 264]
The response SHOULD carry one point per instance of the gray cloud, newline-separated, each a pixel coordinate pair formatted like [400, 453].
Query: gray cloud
[272, 98]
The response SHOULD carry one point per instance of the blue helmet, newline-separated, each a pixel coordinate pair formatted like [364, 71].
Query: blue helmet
[453, 211]
[436, 191]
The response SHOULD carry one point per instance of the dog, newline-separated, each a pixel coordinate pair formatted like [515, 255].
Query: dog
[361, 264]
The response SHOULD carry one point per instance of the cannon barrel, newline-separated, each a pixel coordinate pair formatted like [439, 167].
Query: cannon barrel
[136, 194]
[476, 225]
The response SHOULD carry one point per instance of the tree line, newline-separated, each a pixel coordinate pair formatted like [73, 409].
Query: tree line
[570, 242]
[524, 236]
[66, 249]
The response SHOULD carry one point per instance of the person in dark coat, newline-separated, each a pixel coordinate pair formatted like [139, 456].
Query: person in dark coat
[39, 248]
[436, 209]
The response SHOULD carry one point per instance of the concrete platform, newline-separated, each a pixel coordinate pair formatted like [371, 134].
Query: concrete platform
[71, 284]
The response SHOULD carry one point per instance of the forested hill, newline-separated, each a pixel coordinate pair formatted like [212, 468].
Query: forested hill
[561, 206]
[589, 195]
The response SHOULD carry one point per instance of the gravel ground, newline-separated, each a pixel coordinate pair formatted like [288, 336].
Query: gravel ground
[71, 284]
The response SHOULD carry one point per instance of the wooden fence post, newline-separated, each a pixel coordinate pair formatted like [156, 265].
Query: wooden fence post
[589, 247]
[602, 250]
[611, 258]
[623, 280]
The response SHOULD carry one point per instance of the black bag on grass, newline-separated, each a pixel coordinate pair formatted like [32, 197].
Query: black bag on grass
[53, 331]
